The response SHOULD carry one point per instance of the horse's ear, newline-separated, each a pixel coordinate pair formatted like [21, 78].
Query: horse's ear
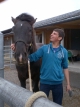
[13, 20]
[33, 21]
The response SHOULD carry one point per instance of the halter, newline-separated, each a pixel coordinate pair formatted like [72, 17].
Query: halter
[27, 45]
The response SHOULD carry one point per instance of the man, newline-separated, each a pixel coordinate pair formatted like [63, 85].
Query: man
[54, 66]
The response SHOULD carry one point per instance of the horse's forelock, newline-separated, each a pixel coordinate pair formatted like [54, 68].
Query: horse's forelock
[25, 17]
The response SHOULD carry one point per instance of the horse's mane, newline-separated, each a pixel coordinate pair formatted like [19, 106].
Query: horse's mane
[25, 17]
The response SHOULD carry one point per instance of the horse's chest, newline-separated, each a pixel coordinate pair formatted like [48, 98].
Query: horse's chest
[22, 71]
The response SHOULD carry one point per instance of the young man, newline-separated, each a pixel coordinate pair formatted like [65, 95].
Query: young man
[54, 66]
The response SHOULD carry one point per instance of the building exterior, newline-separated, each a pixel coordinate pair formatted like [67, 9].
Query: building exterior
[70, 22]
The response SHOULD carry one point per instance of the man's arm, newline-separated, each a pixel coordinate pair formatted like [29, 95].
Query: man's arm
[66, 73]
[36, 55]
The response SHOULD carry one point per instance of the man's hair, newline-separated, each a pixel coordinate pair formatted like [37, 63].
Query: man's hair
[60, 32]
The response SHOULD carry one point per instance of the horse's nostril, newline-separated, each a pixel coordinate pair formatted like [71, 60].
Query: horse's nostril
[25, 53]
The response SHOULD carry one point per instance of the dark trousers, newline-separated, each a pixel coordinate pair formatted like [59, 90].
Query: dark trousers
[57, 91]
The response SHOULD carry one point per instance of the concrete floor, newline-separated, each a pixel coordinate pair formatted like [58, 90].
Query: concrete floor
[74, 67]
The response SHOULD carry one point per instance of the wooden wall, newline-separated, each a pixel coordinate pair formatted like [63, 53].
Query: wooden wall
[8, 39]
[67, 39]
[47, 34]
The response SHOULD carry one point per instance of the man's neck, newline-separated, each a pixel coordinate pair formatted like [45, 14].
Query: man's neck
[55, 44]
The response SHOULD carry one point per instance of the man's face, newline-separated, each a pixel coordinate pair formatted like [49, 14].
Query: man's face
[54, 37]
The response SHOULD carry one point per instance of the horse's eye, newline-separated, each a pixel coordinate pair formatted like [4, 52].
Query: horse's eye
[30, 33]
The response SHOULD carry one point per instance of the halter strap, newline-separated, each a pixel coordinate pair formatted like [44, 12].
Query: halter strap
[27, 45]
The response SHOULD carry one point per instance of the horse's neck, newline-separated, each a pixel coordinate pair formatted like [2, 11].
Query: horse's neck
[35, 47]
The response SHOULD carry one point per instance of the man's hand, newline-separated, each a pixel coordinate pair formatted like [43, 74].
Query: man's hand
[13, 47]
[68, 88]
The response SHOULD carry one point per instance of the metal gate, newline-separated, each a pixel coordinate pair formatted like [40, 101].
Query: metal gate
[9, 60]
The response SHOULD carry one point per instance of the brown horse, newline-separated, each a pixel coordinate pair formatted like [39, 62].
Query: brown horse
[24, 46]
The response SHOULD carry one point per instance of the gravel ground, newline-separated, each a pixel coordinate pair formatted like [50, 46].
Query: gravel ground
[74, 101]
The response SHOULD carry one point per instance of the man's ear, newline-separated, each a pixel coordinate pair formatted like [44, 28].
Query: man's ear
[14, 20]
[60, 38]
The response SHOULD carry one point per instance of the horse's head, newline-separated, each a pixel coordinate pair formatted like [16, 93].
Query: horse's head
[23, 36]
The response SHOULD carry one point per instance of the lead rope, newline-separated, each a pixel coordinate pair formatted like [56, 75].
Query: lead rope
[35, 95]
[30, 82]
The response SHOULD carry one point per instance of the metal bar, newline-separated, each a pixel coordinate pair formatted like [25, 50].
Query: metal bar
[10, 60]
[7, 46]
[1, 64]
[16, 96]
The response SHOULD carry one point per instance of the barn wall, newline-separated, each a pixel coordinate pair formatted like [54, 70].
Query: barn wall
[75, 39]
[46, 33]
[8, 39]
[67, 39]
